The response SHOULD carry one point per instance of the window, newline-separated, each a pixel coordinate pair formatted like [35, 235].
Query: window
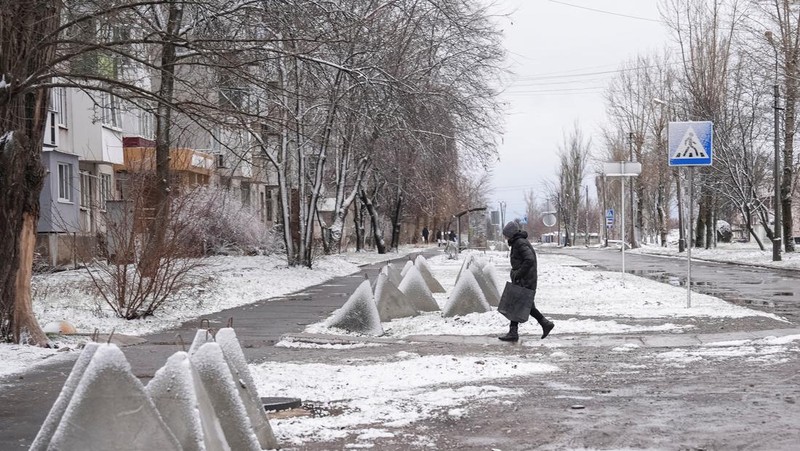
[245, 187]
[65, 182]
[269, 205]
[110, 110]
[147, 125]
[86, 189]
[51, 130]
[105, 190]
[58, 105]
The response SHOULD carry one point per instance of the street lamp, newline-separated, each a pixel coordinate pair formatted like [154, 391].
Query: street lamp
[777, 241]
[681, 231]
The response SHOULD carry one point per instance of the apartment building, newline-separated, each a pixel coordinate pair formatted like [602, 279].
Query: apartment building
[94, 141]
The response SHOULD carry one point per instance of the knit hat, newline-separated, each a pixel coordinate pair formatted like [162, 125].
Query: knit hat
[510, 229]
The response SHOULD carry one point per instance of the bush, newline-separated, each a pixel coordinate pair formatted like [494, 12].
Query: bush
[218, 219]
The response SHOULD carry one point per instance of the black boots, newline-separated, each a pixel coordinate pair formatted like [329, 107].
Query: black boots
[512, 334]
[513, 331]
[547, 326]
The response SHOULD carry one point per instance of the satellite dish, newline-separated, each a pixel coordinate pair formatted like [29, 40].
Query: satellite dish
[549, 219]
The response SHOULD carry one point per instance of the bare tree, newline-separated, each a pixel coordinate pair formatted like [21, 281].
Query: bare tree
[573, 155]
[784, 16]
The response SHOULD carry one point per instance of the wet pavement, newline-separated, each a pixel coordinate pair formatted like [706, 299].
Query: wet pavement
[771, 290]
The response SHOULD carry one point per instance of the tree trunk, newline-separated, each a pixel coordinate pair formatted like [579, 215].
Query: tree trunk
[25, 29]
[21, 179]
[151, 256]
[358, 219]
[376, 230]
[396, 219]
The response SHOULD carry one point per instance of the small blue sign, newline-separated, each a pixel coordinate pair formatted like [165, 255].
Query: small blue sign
[691, 143]
[524, 220]
[610, 217]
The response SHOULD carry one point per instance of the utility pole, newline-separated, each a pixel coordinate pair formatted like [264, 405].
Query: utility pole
[634, 238]
[587, 215]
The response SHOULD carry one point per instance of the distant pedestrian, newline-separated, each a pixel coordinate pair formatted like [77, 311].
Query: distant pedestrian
[452, 236]
[425, 235]
[523, 273]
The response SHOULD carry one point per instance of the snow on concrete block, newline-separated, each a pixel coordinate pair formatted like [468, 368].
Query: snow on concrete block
[417, 291]
[408, 266]
[490, 275]
[110, 409]
[480, 262]
[425, 269]
[215, 374]
[201, 337]
[184, 405]
[226, 338]
[465, 264]
[391, 302]
[359, 314]
[489, 290]
[53, 419]
[467, 297]
[395, 274]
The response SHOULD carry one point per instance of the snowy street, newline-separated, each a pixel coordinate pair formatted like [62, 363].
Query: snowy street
[627, 366]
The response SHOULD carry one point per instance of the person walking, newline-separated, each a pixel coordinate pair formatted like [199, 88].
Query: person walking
[523, 273]
[425, 235]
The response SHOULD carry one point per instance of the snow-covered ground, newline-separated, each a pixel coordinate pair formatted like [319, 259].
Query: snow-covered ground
[222, 282]
[370, 397]
[599, 301]
[743, 253]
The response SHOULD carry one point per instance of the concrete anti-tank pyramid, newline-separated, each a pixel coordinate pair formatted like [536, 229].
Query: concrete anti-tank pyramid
[359, 314]
[50, 424]
[226, 338]
[394, 273]
[425, 269]
[488, 289]
[466, 297]
[417, 292]
[390, 301]
[490, 275]
[184, 405]
[201, 337]
[407, 266]
[110, 409]
[464, 265]
[218, 381]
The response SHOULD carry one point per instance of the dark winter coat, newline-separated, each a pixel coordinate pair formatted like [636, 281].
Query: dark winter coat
[523, 261]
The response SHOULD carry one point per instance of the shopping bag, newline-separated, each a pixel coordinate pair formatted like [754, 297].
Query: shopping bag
[516, 302]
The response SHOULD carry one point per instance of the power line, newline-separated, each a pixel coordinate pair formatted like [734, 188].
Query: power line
[605, 12]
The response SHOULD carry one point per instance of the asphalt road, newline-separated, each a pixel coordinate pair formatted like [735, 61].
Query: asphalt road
[771, 290]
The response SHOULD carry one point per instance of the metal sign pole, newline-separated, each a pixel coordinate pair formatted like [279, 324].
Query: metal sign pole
[690, 241]
[623, 222]
[690, 144]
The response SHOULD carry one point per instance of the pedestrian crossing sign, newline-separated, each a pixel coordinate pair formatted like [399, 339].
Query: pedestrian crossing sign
[691, 143]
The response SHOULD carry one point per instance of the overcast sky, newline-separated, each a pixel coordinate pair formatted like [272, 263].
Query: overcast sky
[563, 56]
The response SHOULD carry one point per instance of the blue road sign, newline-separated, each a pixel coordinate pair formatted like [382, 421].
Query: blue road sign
[691, 143]
[524, 220]
[610, 217]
